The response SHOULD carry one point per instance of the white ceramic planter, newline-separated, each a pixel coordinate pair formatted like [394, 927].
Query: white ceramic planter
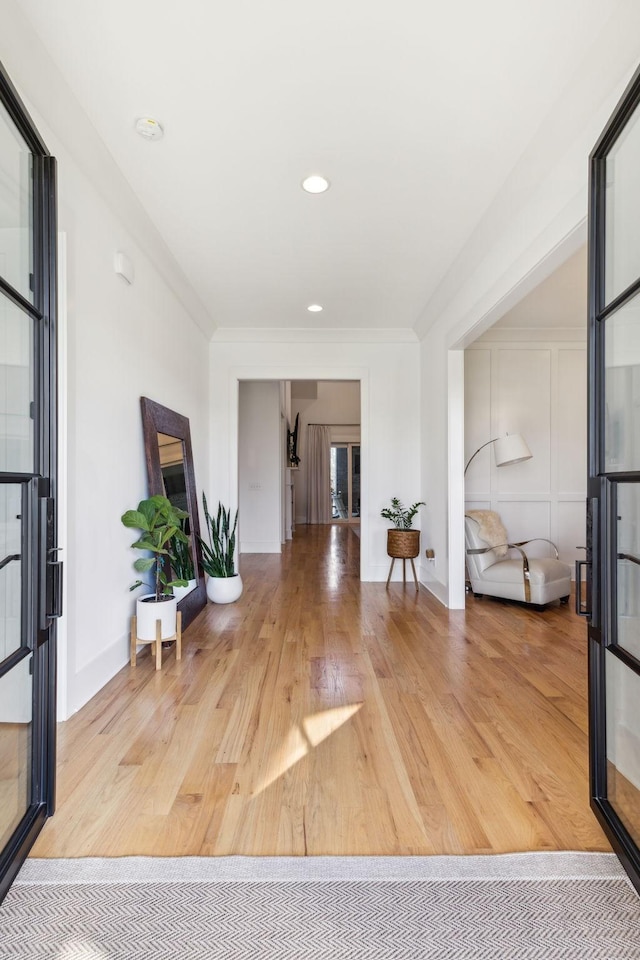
[181, 592]
[147, 612]
[224, 589]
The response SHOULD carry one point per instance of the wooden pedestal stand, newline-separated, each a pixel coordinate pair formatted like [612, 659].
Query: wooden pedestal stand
[404, 569]
[157, 643]
[403, 545]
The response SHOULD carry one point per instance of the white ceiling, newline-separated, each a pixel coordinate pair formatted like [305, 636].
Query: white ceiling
[416, 111]
[559, 301]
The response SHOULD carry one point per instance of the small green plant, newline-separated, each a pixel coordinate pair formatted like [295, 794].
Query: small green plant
[401, 516]
[218, 554]
[160, 523]
[182, 563]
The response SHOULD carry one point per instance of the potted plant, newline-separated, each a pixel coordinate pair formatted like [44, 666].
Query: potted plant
[182, 563]
[224, 585]
[402, 541]
[160, 523]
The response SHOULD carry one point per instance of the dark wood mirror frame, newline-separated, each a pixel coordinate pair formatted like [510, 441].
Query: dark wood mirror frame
[158, 419]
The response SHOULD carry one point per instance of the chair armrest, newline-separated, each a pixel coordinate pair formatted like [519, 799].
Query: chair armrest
[523, 543]
[526, 576]
[475, 550]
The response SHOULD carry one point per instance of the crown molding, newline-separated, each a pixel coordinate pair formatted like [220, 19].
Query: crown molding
[314, 335]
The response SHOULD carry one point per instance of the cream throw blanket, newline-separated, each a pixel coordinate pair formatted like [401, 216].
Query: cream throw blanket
[491, 529]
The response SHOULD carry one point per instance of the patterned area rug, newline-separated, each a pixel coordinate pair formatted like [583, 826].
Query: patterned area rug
[323, 908]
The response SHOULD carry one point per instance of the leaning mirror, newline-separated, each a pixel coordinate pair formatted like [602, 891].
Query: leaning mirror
[167, 445]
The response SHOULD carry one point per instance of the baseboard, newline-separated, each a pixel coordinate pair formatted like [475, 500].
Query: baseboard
[428, 580]
[438, 590]
[260, 546]
[90, 679]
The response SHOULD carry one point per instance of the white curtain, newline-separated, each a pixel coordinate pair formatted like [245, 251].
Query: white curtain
[319, 473]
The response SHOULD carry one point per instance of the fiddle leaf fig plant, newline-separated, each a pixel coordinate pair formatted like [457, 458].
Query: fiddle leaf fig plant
[401, 516]
[160, 523]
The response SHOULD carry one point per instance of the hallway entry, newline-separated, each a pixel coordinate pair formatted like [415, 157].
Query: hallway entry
[299, 458]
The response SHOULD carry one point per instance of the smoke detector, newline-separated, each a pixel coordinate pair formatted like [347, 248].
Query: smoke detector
[149, 128]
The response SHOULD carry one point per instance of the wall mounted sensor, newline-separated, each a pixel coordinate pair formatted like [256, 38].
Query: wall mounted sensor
[123, 266]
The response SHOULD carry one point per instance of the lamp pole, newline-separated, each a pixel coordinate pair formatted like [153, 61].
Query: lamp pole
[477, 452]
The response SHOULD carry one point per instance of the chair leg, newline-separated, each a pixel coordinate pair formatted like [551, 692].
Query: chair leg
[393, 560]
[415, 579]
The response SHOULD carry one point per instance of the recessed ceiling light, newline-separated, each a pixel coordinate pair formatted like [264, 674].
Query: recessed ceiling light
[315, 184]
[149, 128]
[314, 308]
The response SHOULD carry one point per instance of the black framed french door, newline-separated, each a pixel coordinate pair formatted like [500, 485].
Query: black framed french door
[613, 507]
[30, 572]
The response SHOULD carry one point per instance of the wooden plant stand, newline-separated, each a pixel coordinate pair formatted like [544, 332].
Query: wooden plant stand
[404, 569]
[403, 545]
[156, 645]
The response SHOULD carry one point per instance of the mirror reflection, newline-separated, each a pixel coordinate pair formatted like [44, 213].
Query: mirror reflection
[171, 452]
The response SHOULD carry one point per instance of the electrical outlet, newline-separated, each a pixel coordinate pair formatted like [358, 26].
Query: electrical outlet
[430, 554]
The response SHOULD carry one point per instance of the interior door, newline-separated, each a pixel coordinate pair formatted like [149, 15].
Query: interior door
[30, 573]
[613, 514]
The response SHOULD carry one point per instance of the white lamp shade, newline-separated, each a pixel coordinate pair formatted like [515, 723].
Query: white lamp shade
[511, 449]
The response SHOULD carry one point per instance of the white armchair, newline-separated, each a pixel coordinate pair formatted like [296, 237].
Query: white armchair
[495, 572]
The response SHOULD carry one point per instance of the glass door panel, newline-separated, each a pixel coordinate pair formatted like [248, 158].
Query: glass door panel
[12, 596]
[16, 204]
[355, 481]
[622, 388]
[627, 573]
[622, 200]
[623, 742]
[16, 715]
[16, 388]
[339, 482]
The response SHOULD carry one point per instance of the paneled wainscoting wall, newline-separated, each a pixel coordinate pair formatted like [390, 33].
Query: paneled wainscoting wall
[533, 383]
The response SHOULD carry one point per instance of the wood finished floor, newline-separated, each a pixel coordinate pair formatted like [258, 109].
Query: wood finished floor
[319, 715]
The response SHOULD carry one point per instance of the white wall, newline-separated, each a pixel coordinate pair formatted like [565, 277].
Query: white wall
[123, 342]
[536, 387]
[386, 363]
[335, 403]
[259, 467]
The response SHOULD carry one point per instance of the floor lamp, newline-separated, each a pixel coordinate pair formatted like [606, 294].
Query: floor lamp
[511, 448]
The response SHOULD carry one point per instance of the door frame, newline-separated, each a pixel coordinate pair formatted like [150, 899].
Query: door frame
[599, 490]
[44, 533]
[299, 371]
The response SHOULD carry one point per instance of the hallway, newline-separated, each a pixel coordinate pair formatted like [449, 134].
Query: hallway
[321, 715]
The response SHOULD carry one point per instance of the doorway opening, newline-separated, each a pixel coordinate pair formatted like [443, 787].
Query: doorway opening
[527, 374]
[281, 472]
